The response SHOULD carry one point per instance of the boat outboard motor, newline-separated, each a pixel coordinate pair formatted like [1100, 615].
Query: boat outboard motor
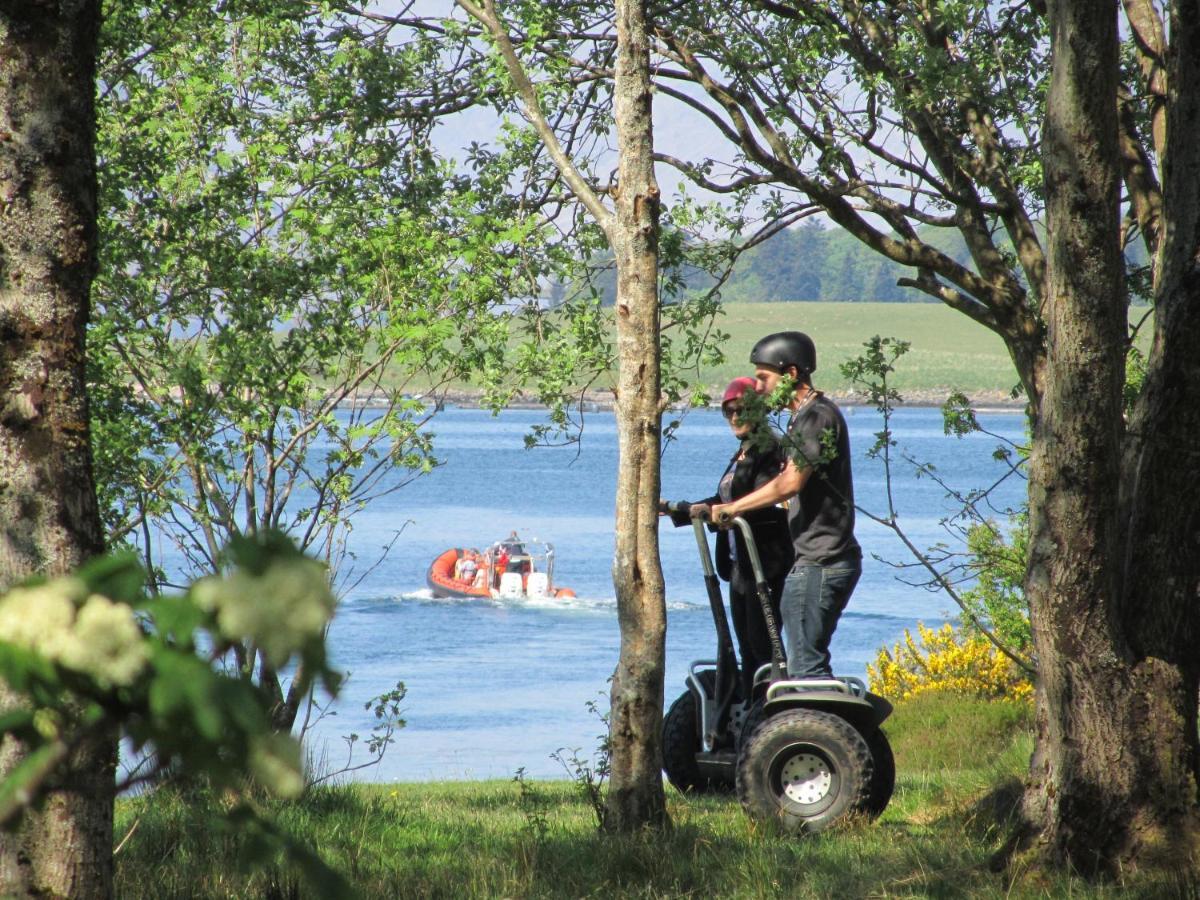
[511, 587]
[538, 585]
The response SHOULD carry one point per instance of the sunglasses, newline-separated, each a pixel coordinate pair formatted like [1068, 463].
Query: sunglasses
[730, 411]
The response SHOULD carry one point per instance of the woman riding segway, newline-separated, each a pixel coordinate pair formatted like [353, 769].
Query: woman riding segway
[758, 459]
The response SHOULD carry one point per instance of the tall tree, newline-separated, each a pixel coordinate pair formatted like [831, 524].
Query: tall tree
[635, 798]
[1113, 575]
[47, 498]
[635, 793]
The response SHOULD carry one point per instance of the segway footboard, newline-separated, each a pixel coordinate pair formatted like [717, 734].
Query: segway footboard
[852, 702]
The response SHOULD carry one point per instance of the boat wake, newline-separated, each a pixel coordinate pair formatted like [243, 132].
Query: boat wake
[425, 595]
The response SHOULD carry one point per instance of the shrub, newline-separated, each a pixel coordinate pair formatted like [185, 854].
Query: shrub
[946, 661]
[998, 596]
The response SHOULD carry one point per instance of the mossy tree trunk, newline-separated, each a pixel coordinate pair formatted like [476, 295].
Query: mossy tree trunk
[50, 523]
[635, 797]
[1113, 577]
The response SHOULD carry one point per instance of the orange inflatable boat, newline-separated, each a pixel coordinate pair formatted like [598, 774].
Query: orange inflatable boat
[511, 569]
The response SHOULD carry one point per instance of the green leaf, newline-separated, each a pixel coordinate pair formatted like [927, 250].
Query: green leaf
[16, 721]
[118, 576]
[26, 779]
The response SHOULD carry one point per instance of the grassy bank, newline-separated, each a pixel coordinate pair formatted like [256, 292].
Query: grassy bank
[948, 351]
[959, 765]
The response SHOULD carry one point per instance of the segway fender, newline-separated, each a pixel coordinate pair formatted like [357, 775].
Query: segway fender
[865, 713]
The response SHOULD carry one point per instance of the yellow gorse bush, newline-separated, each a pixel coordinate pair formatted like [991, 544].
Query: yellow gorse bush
[946, 661]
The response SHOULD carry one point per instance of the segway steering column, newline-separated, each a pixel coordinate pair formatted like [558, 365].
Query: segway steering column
[727, 667]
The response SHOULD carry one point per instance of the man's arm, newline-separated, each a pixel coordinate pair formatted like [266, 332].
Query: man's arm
[784, 486]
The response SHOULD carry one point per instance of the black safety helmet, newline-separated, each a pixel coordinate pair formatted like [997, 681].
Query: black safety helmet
[786, 348]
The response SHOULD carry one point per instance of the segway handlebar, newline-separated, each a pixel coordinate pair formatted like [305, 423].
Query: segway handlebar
[674, 507]
[725, 688]
[778, 665]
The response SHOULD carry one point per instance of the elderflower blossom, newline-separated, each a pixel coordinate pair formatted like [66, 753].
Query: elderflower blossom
[31, 616]
[108, 642]
[281, 610]
[89, 634]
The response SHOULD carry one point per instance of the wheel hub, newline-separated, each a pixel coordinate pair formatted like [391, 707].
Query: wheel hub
[805, 778]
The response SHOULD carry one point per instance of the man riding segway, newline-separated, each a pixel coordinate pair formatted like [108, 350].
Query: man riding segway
[817, 484]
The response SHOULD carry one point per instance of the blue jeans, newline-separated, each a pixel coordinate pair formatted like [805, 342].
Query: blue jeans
[812, 603]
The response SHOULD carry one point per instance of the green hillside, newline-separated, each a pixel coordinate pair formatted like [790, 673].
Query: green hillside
[949, 351]
[812, 262]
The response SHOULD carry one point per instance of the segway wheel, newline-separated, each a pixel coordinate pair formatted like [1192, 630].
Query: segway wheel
[681, 743]
[883, 780]
[804, 770]
[755, 716]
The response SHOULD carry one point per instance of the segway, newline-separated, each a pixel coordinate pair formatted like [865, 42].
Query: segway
[802, 753]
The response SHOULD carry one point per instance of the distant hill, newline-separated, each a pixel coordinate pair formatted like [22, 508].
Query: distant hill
[814, 263]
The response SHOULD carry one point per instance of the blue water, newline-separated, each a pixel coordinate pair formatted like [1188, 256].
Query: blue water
[492, 686]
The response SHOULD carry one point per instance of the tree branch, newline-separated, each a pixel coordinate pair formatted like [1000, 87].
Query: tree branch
[531, 106]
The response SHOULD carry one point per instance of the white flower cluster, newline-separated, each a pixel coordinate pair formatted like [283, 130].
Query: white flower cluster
[280, 611]
[84, 632]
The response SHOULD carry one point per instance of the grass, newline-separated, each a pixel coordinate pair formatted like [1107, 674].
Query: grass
[948, 351]
[959, 763]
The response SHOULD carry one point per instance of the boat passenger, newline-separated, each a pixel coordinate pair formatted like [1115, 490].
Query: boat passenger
[501, 565]
[467, 568]
[514, 545]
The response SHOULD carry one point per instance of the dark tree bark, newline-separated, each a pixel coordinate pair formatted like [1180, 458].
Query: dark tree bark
[635, 797]
[49, 522]
[1113, 578]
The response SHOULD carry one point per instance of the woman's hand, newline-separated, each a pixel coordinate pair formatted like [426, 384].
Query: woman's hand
[722, 514]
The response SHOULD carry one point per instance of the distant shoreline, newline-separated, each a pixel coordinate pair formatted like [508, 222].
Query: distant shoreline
[602, 401]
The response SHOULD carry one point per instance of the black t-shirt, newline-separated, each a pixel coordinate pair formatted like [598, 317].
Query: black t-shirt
[821, 517]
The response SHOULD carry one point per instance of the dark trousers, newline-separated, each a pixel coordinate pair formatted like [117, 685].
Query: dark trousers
[754, 641]
[813, 600]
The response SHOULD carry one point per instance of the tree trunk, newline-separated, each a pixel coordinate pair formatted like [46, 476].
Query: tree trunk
[1161, 493]
[47, 498]
[635, 797]
[1114, 774]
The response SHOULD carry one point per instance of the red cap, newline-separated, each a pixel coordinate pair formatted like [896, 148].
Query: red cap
[737, 388]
